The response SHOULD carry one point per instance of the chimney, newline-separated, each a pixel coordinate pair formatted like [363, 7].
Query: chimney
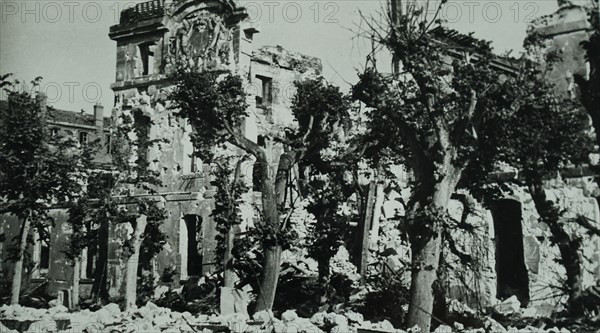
[42, 101]
[99, 117]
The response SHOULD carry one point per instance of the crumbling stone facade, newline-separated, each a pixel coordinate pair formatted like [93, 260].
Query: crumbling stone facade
[511, 247]
[150, 37]
[215, 36]
[562, 32]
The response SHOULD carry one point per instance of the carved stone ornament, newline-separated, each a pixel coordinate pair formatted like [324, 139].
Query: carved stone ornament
[201, 40]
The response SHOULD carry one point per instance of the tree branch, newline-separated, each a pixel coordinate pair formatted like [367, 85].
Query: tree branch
[468, 207]
[585, 222]
[465, 258]
[469, 118]
[311, 123]
[286, 163]
[244, 143]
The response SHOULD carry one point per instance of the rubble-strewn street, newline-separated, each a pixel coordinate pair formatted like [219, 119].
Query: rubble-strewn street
[152, 318]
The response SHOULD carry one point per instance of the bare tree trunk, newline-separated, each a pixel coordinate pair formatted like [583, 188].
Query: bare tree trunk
[426, 242]
[322, 294]
[132, 263]
[286, 162]
[228, 273]
[426, 258]
[76, 273]
[18, 274]
[99, 288]
[271, 268]
[368, 218]
[273, 186]
[268, 285]
[272, 262]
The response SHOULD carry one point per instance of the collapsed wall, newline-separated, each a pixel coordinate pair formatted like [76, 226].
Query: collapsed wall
[511, 250]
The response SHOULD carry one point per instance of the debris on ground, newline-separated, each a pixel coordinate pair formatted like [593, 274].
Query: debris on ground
[508, 307]
[153, 318]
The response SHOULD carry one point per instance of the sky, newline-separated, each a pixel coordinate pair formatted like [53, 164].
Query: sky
[67, 43]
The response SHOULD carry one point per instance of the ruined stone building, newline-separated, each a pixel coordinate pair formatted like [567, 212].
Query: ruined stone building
[214, 35]
[513, 249]
[513, 253]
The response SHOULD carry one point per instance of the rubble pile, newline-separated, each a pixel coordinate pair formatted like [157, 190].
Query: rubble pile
[152, 318]
[149, 318]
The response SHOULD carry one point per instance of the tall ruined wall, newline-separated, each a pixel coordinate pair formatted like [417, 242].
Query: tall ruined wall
[173, 255]
[211, 35]
[511, 250]
[540, 257]
[282, 68]
[562, 32]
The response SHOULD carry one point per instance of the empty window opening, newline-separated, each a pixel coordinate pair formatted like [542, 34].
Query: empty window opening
[54, 132]
[107, 143]
[83, 138]
[264, 96]
[147, 55]
[173, 45]
[513, 279]
[90, 268]
[142, 125]
[196, 164]
[41, 252]
[190, 246]
[88, 261]
[44, 255]
[256, 180]
[261, 141]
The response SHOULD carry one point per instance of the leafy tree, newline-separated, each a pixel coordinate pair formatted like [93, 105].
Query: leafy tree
[442, 116]
[38, 169]
[566, 141]
[325, 165]
[326, 199]
[215, 107]
[429, 116]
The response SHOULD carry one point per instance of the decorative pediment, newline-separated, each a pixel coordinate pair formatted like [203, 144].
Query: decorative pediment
[201, 39]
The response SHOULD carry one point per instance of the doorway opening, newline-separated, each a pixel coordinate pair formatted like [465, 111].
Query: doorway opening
[190, 246]
[513, 279]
